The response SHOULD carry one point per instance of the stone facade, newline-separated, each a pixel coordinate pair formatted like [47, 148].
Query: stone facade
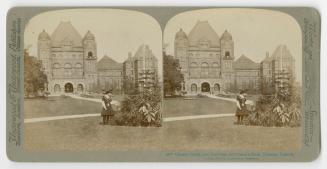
[70, 62]
[141, 70]
[110, 74]
[208, 65]
[280, 65]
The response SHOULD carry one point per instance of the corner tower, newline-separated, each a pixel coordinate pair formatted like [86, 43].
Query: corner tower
[181, 49]
[227, 55]
[90, 59]
[44, 51]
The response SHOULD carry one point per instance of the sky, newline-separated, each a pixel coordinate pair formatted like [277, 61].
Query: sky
[254, 31]
[116, 32]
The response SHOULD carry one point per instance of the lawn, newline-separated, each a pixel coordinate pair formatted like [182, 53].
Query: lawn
[86, 134]
[58, 106]
[196, 106]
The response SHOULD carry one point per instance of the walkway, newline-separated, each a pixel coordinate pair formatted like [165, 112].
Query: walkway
[115, 102]
[249, 102]
[167, 119]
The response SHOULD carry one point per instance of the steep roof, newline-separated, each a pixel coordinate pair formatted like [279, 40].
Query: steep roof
[268, 59]
[44, 35]
[66, 33]
[106, 63]
[244, 63]
[226, 36]
[89, 36]
[281, 51]
[144, 51]
[203, 31]
[180, 34]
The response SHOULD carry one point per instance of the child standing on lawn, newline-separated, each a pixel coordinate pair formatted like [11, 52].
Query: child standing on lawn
[107, 110]
[241, 110]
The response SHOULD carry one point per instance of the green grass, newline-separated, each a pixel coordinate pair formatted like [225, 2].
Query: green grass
[58, 106]
[86, 134]
[196, 106]
[214, 134]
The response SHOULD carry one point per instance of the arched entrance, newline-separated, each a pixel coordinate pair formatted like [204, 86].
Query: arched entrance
[56, 88]
[80, 88]
[216, 87]
[69, 88]
[205, 87]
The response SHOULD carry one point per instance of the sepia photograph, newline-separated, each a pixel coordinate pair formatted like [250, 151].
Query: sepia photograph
[92, 80]
[212, 80]
[163, 84]
[233, 77]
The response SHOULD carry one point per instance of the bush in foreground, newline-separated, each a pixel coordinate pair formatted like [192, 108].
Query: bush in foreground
[142, 109]
[281, 110]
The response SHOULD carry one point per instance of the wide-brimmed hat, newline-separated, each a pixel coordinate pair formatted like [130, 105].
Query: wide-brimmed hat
[242, 91]
[107, 92]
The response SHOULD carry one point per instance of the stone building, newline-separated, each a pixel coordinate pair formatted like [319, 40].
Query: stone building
[70, 62]
[110, 74]
[207, 62]
[141, 70]
[205, 58]
[246, 74]
[277, 70]
[68, 58]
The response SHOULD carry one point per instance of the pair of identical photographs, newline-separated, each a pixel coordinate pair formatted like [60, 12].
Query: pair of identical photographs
[163, 84]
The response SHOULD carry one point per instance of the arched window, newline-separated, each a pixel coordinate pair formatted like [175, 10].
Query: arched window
[204, 65]
[227, 54]
[204, 69]
[216, 87]
[80, 88]
[68, 66]
[194, 70]
[215, 65]
[56, 65]
[78, 65]
[56, 88]
[89, 54]
[193, 87]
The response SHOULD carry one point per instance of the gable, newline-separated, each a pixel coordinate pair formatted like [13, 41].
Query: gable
[65, 33]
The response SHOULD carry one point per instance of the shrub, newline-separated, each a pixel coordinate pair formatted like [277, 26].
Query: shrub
[283, 109]
[141, 109]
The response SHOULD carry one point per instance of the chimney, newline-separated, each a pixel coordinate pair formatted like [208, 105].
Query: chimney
[129, 54]
[267, 54]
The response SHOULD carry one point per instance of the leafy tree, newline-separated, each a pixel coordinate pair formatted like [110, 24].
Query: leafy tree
[34, 77]
[172, 75]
